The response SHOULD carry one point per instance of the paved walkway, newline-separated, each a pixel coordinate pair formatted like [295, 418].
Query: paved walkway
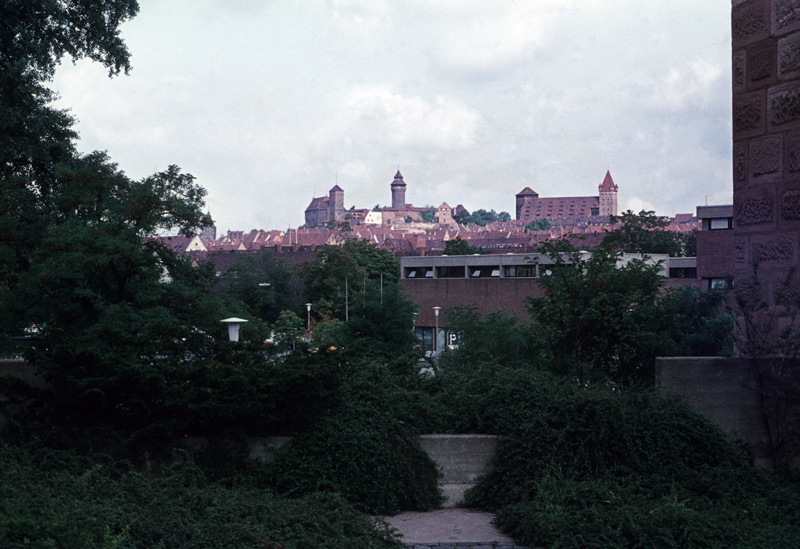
[450, 529]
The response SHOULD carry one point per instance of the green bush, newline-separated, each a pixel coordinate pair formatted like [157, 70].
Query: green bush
[363, 449]
[56, 499]
[600, 467]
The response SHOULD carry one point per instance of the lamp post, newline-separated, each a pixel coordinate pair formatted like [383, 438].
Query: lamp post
[436, 332]
[233, 327]
[308, 320]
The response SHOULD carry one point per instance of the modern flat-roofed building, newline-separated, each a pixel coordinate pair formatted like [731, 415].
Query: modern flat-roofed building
[494, 282]
[715, 246]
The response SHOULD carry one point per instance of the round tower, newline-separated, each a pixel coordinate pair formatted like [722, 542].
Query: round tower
[398, 192]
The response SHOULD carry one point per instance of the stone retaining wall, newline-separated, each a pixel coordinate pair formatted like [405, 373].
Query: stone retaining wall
[735, 393]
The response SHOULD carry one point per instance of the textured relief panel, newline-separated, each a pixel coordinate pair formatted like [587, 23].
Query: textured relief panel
[778, 249]
[765, 156]
[740, 163]
[789, 55]
[790, 205]
[784, 104]
[753, 210]
[739, 68]
[740, 250]
[785, 15]
[761, 62]
[748, 23]
[747, 115]
[792, 152]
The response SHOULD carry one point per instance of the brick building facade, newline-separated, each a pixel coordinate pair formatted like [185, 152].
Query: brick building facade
[531, 206]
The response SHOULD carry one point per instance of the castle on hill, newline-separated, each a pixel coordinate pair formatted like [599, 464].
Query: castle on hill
[327, 209]
[530, 206]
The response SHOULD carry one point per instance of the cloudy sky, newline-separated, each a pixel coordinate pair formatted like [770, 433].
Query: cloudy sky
[269, 103]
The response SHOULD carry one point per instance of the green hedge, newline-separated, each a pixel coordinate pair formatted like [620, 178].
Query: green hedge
[56, 499]
[599, 467]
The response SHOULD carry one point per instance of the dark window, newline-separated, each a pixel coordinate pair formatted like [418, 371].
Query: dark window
[520, 271]
[419, 272]
[450, 272]
[484, 271]
[425, 338]
[683, 272]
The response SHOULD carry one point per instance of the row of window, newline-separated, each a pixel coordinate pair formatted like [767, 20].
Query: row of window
[481, 271]
[510, 271]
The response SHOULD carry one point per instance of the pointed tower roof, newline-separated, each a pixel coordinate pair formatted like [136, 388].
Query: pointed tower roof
[398, 179]
[527, 191]
[336, 189]
[608, 184]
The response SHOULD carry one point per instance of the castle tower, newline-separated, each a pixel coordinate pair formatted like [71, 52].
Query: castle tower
[525, 199]
[398, 192]
[608, 195]
[336, 204]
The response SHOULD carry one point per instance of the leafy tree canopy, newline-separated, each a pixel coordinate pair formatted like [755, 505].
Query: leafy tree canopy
[337, 274]
[458, 246]
[263, 282]
[482, 217]
[429, 215]
[538, 225]
[646, 233]
[600, 319]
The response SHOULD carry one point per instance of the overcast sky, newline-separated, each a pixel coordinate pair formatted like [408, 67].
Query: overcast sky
[269, 103]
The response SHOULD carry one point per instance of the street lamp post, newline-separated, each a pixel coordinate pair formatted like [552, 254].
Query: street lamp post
[233, 327]
[436, 332]
[308, 319]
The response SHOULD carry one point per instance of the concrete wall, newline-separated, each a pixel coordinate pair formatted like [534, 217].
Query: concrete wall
[729, 391]
[462, 458]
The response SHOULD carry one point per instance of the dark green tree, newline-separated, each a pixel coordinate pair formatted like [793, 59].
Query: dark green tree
[378, 264]
[381, 321]
[462, 217]
[429, 215]
[379, 317]
[34, 136]
[328, 281]
[644, 233]
[600, 319]
[263, 282]
[458, 246]
[700, 325]
[538, 225]
[350, 267]
[499, 337]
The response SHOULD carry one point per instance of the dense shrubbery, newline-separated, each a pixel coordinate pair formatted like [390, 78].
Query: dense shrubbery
[133, 409]
[597, 467]
[363, 448]
[57, 499]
